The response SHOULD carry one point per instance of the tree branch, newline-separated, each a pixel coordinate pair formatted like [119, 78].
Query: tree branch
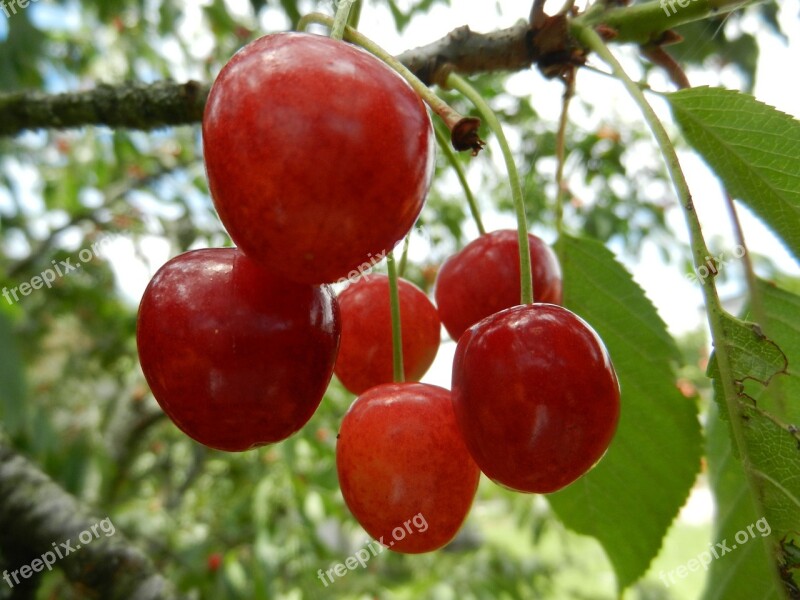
[131, 105]
[515, 48]
[645, 23]
[467, 52]
[37, 516]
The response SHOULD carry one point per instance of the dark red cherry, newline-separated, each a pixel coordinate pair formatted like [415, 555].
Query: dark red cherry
[235, 355]
[536, 396]
[318, 155]
[483, 278]
[404, 471]
[365, 353]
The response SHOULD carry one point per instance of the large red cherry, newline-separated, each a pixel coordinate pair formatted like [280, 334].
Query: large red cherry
[404, 471]
[235, 355]
[318, 155]
[483, 278]
[536, 396]
[365, 354]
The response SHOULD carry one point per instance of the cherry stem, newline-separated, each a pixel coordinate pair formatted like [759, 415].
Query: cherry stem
[462, 178]
[397, 334]
[340, 20]
[401, 270]
[463, 129]
[525, 279]
[561, 136]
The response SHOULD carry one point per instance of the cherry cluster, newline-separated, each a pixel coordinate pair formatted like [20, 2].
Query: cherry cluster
[318, 157]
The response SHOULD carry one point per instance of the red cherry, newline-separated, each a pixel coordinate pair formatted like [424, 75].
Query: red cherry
[404, 470]
[483, 278]
[536, 396]
[318, 155]
[365, 353]
[214, 561]
[236, 356]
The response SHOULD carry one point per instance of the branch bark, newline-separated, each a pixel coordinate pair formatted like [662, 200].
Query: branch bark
[133, 106]
[37, 516]
[467, 52]
[139, 106]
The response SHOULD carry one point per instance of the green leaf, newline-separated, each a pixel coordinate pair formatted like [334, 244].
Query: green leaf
[630, 498]
[769, 400]
[752, 147]
[745, 573]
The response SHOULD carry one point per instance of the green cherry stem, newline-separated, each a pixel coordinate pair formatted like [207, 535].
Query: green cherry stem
[397, 334]
[716, 313]
[340, 20]
[526, 281]
[462, 178]
[401, 270]
[355, 14]
[463, 130]
[569, 91]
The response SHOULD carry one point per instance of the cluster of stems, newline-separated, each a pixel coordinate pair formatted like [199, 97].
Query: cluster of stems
[463, 136]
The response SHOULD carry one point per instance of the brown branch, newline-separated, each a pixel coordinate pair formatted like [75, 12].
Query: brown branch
[545, 42]
[131, 105]
[165, 103]
[38, 517]
[658, 56]
[467, 52]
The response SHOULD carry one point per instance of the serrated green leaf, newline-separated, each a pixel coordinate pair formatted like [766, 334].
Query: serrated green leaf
[630, 498]
[746, 573]
[752, 147]
[770, 411]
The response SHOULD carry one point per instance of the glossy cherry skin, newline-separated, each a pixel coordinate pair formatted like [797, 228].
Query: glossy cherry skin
[483, 278]
[400, 454]
[536, 396]
[236, 356]
[365, 353]
[318, 155]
